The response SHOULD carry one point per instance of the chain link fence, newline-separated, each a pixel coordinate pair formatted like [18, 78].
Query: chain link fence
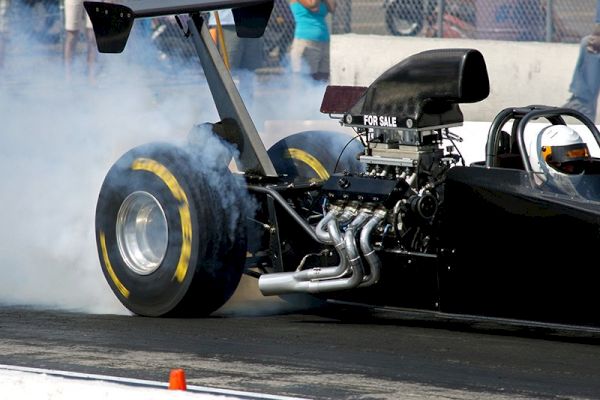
[563, 21]
[43, 19]
[523, 20]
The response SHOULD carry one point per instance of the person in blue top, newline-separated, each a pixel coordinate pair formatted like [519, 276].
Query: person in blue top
[585, 84]
[310, 48]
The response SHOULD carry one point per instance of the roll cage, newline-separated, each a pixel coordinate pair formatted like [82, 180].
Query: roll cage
[498, 144]
[504, 150]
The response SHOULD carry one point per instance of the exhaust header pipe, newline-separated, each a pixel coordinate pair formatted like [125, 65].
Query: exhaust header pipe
[348, 274]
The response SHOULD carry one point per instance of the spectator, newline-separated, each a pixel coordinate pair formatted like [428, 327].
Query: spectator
[3, 28]
[585, 84]
[310, 47]
[242, 53]
[74, 15]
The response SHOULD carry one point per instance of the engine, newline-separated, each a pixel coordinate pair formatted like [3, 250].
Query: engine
[403, 119]
[390, 206]
[404, 172]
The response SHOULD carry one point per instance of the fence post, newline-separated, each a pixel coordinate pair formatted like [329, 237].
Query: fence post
[549, 20]
[440, 18]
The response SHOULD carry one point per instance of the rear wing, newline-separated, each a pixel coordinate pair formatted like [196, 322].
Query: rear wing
[112, 22]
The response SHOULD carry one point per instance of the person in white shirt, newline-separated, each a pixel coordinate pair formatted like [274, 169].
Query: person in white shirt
[74, 23]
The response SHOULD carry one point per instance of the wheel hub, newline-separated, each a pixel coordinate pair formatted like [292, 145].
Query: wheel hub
[142, 232]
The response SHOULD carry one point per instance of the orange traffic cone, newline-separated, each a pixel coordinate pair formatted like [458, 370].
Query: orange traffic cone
[177, 380]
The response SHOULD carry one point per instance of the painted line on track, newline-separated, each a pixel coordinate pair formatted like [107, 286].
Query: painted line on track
[145, 383]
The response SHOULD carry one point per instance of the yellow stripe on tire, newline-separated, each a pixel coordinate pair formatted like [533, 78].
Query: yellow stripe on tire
[309, 160]
[146, 164]
[109, 268]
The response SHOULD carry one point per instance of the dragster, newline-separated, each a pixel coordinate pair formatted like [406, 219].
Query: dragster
[392, 217]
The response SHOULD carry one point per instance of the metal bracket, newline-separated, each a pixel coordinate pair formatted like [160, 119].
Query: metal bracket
[274, 241]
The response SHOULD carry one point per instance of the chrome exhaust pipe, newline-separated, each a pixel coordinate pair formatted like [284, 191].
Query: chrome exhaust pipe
[350, 241]
[335, 211]
[328, 272]
[281, 283]
[368, 251]
[350, 257]
[336, 239]
[320, 231]
[316, 280]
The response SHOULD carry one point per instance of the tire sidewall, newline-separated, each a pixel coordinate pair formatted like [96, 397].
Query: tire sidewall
[160, 291]
[324, 147]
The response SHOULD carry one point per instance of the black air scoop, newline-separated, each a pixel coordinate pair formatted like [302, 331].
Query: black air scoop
[425, 89]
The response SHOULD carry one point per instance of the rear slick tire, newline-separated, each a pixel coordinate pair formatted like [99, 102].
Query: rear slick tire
[170, 243]
[316, 155]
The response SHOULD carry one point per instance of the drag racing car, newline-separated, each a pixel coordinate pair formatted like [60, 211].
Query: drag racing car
[390, 215]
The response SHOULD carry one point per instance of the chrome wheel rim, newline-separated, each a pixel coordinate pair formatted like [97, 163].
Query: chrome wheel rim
[142, 232]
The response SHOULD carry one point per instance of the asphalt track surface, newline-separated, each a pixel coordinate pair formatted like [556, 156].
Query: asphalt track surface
[336, 352]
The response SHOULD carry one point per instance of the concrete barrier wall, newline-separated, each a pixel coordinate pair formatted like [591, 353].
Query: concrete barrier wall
[521, 73]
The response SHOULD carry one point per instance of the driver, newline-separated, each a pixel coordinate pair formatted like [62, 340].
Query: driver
[558, 158]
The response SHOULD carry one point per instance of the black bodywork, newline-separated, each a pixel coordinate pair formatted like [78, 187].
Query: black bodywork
[441, 236]
[519, 253]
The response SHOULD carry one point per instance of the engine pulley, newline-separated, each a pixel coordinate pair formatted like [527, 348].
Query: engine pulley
[424, 205]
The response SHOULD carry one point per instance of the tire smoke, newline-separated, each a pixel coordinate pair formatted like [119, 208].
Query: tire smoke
[59, 137]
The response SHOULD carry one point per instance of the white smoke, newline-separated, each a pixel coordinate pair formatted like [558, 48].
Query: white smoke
[287, 97]
[58, 139]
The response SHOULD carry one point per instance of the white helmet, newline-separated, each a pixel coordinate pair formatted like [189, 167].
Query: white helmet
[558, 156]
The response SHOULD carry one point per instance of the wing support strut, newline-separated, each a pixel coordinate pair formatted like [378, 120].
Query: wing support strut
[112, 24]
